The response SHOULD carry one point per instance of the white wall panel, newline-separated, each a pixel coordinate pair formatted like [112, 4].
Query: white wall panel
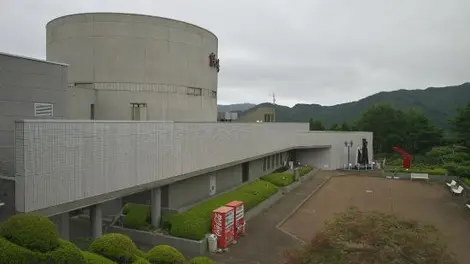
[65, 161]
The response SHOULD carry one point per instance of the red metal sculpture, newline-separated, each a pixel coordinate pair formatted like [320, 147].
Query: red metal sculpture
[405, 155]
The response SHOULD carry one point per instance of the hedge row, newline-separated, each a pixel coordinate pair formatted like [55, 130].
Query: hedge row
[196, 222]
[279, 179]
[285, 178]
[137, 216]
[304, 170]
[30, 238]
[430, 171]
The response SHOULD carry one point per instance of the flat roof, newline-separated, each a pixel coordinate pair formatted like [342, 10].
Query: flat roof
[132, 14]
[32, 59]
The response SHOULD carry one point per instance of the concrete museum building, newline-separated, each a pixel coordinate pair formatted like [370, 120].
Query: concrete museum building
[128, 112]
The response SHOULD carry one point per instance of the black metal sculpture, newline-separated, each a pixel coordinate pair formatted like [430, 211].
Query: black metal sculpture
[359, 156]
[364, 153]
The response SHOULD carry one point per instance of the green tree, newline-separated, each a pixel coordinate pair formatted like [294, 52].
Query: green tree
[461, 126]
[335, 127]
[345, 127]
[387, 125]
[410, 130]
[421, 135]
[316, 125]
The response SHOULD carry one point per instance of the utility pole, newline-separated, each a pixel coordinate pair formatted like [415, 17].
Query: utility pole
[274, 98]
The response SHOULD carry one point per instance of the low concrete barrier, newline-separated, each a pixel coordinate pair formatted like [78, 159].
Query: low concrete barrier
[187, 246]
[263, 206]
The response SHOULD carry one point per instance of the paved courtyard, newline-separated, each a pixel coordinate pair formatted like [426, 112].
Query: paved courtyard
[426, 202]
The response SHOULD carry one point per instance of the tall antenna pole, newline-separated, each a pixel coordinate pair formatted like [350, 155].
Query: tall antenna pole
[274, 98]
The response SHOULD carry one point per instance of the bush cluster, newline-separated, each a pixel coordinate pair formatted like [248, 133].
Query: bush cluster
[196, 222]
[23, 230]
[137, 216]
[28, 238]
[356, 237]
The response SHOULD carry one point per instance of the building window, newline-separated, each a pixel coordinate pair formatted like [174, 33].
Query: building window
[138, 111]
[213, 94]
[264, 164]
[268, 118]
[195, 91]
[43, 109]
[269, 162]
[92, 111]
[273, 161]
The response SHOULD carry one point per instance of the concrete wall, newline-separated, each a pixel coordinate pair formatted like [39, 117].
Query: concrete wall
[81, 160]
[138, 59]
[79, 101]
[259, 167]
[23, 82]
[187, 192]
[258, 114]
[319, 158]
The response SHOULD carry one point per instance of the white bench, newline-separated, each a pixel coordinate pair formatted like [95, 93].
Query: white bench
[457, 190]
[452, 184]
[420, 176]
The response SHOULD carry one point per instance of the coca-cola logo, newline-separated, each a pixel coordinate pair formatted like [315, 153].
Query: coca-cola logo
[218, 225]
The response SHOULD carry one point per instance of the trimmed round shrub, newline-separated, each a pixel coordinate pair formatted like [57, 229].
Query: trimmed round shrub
[140, 261]
[67, 252]
[92, 258]
[164, 254]
[201, 260]
[33, 232]
[140, 253]
[12, 253]
[116, 247]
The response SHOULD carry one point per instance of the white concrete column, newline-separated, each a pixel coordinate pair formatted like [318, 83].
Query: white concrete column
[156, 206]
[96, 221]
[64, 225]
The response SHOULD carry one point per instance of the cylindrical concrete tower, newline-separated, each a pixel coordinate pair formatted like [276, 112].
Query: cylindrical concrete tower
[136, 67]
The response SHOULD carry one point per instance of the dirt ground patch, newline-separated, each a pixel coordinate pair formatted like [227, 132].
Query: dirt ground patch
[426, 202]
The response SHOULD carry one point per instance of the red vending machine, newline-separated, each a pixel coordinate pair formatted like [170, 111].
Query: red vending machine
[223, 225]
[239, 210]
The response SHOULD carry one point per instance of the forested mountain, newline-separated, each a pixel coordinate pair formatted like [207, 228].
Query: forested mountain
[234, 107]
[438, 104]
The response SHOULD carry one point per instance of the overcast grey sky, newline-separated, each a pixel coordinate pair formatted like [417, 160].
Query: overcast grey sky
[312, 51]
